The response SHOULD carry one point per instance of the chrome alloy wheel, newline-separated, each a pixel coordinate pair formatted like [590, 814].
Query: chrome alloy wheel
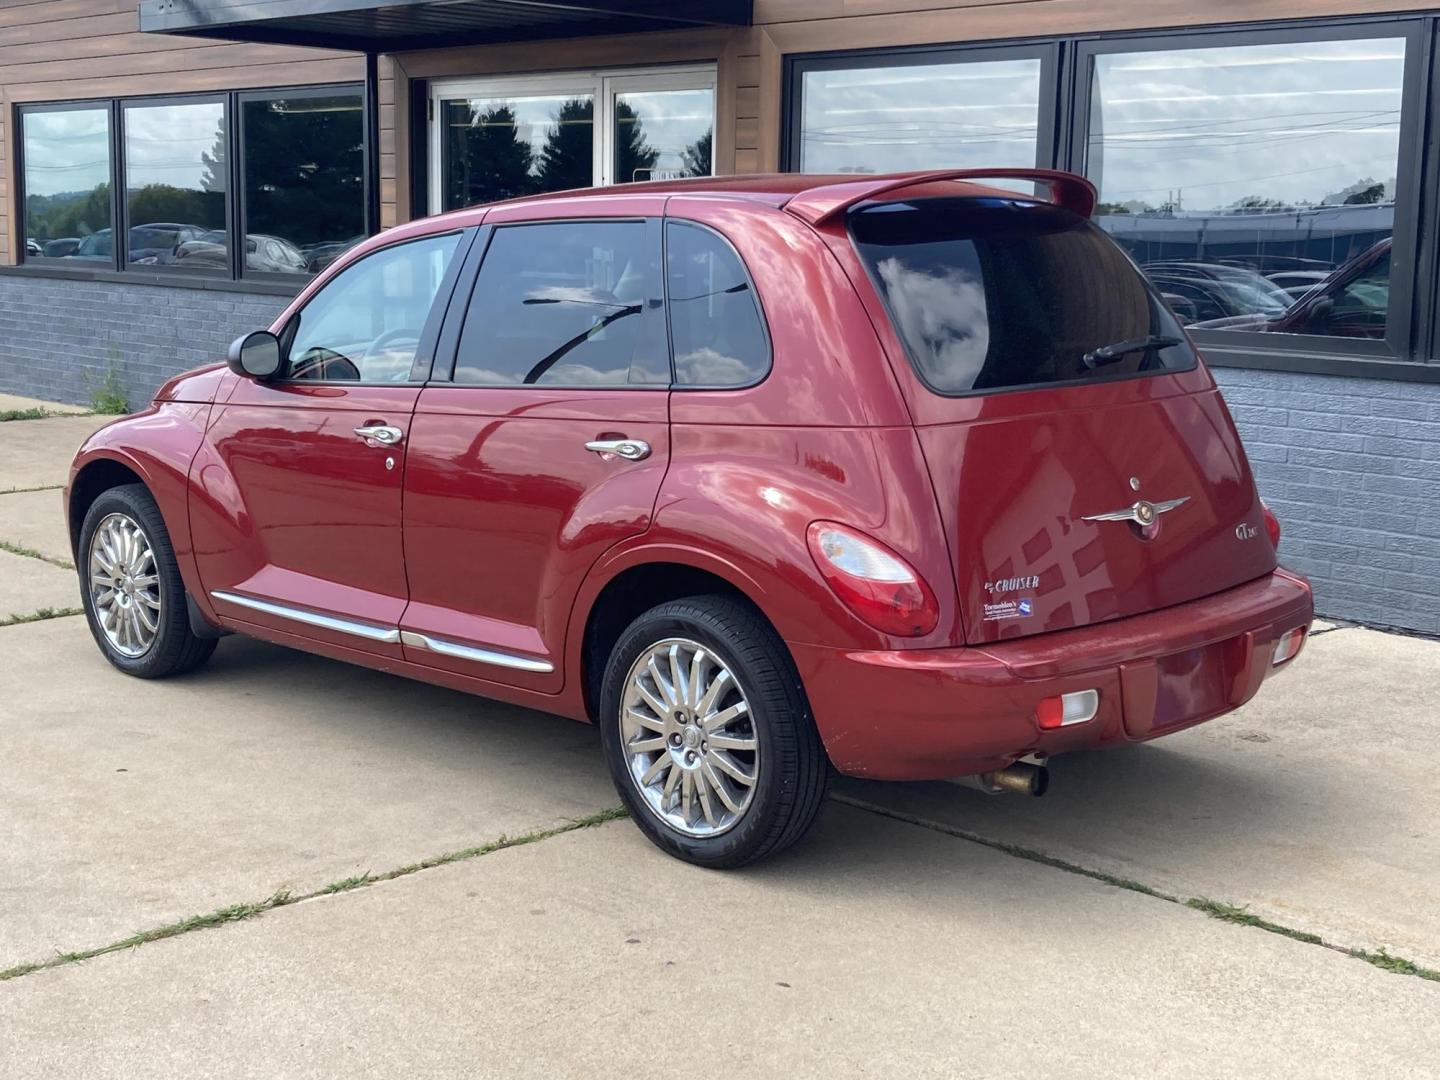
[690, 743]
[124, 585]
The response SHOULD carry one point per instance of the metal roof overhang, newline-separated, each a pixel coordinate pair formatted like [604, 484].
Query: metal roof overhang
[399, 25]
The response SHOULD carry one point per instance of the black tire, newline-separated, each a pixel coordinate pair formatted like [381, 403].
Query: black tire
[175, 648]
[793, 770]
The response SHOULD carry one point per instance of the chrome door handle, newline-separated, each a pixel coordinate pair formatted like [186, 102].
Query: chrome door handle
[383, 434]
[629, 449]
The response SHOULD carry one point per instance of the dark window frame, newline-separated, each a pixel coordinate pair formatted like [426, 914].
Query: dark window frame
[1047, 51]
[1416, 357]
[236, 277]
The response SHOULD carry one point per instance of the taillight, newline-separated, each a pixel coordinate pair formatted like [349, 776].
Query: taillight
[1272, 524]
[873, 581]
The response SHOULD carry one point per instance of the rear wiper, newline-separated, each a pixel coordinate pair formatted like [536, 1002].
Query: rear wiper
[1108, 354]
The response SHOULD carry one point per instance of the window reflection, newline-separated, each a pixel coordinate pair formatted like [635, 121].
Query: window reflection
[501, 148]
[1255, 184]
[175, 178]
[663, 134]
[980, 114]
[304, 177]
[67, 183]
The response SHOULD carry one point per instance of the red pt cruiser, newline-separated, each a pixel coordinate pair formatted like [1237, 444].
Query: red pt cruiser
[908, 476]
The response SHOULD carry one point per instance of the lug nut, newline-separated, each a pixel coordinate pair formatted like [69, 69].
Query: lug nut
[690, 757]
[675, 739]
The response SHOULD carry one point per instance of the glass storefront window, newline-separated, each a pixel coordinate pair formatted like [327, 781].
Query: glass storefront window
[175, 183]
[304, 180]
[663, 134]
[503, 147]
[899, 116]
[67, 184]
[1255, 184]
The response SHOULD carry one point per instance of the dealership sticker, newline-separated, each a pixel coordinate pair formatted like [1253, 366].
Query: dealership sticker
[1009, 609]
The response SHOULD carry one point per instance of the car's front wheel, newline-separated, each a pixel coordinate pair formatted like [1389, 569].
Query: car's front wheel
[708, 735]
[134, 598]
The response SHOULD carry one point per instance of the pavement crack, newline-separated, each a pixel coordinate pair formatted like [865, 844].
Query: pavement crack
[31, 553]
[285, 898]
[41, 615]
[25, 490]
[1216, 909]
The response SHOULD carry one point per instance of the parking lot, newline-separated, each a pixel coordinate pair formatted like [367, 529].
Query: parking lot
[338, 872]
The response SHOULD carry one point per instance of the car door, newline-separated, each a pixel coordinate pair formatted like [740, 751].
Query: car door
[296, 494]
[546, 439]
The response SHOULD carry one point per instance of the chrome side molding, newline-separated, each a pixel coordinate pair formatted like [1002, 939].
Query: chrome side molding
[470, 652]
[388, 634]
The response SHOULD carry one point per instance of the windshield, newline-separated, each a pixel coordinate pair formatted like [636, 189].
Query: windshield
[998, 293]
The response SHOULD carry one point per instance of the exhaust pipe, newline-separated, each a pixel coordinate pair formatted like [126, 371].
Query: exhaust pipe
[1022, 778]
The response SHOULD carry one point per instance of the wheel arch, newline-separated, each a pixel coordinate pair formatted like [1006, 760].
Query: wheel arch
[92, 479]
[625, 585]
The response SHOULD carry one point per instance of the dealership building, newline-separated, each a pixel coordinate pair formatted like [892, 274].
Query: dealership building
[172, 173]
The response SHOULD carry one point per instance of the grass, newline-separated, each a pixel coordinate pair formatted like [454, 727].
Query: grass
[24, 414]
[41, 615]
[37, 487]
[240, 912]
[108, 398]
[1216, 909]
[31, 553]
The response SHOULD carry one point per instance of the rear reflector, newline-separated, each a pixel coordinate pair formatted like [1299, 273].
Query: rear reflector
[1288, 647]
[1073, 708]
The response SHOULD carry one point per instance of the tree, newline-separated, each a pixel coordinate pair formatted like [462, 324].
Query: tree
[492, 161]
[304, 169]
[567, 158]
[633, 155]
[1373, 194]
[695, 159]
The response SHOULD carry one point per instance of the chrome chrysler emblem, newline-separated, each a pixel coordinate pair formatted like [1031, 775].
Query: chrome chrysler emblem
[1142, 513]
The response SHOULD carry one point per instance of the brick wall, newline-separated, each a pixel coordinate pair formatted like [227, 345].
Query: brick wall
[58, 339]
[1352, 469]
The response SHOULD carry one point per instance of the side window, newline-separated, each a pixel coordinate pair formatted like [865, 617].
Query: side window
[566, 304]
[715, 325]
[365, 324]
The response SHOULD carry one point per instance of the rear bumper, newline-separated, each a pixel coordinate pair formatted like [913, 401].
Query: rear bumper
[933, 713]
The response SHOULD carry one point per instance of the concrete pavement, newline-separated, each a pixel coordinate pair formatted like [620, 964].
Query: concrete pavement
[881, 946]
[879, 949]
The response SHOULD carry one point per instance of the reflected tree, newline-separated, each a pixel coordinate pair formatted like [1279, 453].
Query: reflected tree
[70, 213]
[696, 159]
[491, 159]
[304, 169]
[567, 158]
[632, 153]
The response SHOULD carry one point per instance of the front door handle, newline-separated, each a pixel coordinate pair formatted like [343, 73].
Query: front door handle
[629, 449]
[383, 434]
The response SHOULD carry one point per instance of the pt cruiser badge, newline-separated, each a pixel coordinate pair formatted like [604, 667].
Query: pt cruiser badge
[1141, 513]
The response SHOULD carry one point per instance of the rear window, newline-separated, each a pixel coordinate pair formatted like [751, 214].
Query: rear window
[997, 294]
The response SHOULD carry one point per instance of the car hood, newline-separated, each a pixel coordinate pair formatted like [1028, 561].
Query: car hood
[198, 385]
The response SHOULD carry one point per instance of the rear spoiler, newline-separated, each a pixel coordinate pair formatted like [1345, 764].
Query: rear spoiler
[821, 204]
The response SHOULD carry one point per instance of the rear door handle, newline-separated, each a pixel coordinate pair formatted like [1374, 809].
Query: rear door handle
[629, 449]
[383, 434]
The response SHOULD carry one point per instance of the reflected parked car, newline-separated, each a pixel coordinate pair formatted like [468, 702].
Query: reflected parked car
[1202, 292]
[1353, 302]
[149, 244]
[319, 256]
[986, 510]
[265, 254]
[59, 249]
[1297, 283]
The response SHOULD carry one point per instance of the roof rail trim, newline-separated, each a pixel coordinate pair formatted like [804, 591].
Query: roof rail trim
[821, 204]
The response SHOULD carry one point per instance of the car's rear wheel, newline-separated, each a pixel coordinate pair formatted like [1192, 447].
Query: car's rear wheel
[708, 735]
[134, 598]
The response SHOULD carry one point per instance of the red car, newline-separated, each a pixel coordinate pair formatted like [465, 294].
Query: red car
[905, 476]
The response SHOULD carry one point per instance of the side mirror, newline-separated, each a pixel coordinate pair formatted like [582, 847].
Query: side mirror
[255, 355]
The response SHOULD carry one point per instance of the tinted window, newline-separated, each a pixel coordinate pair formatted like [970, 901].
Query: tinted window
[568, 304]
[500, 147]
[304, 176]
[1236, 167]
[67, 183]
[175, 177]
[715, 325]
[990, 294]
[900, 116]
[366, 323]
